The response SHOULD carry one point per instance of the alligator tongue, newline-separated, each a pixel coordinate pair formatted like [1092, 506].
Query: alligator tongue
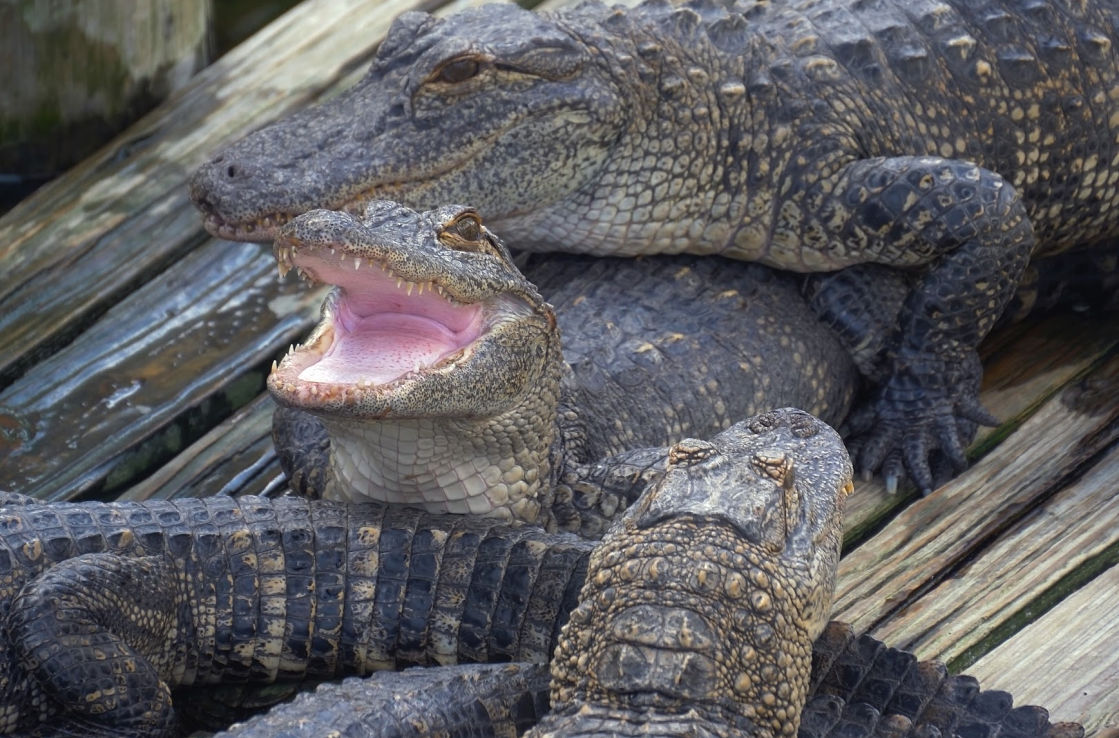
[381, 348]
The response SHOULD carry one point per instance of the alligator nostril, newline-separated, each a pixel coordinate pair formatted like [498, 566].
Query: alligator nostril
[231, 171]
[218, 159]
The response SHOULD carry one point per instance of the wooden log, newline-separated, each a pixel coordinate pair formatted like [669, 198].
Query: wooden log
[76, 74]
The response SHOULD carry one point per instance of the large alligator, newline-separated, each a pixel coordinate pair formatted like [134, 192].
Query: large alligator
[439, 378]
[696, 618]
[106, 606]
[949, 139]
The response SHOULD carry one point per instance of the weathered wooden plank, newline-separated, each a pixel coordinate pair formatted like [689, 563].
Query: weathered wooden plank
[235, 457]
[1055, 539]
[1068, 660]
[76, 74]
[79, 244]
[97, 413]
[933, 538]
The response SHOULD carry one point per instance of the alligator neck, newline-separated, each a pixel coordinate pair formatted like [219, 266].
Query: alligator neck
[493, 467]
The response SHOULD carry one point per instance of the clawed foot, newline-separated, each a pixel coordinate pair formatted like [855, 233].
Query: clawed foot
[918, 424]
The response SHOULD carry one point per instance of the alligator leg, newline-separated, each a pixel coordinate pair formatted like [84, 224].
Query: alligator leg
[303, 447]
[101, 679]
[967, 228]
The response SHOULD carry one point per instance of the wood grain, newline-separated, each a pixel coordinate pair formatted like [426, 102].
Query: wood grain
[127, 394]
[1068, 660]
[936, 536]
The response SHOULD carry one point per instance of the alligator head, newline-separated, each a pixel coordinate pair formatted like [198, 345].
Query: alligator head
[492, 105]
[435, 365]
[702, 604]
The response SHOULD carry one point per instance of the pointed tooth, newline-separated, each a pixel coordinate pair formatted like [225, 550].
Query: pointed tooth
[410, 286]
[420, 288]
[274, 365]
[357, 263]
[399, 283]
[282, 268]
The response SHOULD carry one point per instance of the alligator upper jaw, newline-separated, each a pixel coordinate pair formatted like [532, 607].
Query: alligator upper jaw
[381, 334]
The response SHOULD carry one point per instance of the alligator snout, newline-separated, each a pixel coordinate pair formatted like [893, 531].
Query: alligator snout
[223, 191]
[221, 173]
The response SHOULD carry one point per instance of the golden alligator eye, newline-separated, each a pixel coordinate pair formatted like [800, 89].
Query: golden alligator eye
[457, 70]
[468, 227]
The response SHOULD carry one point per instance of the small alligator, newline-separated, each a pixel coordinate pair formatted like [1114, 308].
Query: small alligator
[104, 607]
[696, 618]
[948, 139]
[438, 378]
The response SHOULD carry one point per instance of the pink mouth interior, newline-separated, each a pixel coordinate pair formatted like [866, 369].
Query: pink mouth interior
[380, 331]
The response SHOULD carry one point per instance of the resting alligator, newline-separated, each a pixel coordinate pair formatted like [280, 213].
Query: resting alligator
[438, 374]
[947, 139]
[695, 619]
[160, 594]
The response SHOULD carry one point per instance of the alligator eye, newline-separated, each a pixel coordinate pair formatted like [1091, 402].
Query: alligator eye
[465, 233]
[457, 70]
[467, 227]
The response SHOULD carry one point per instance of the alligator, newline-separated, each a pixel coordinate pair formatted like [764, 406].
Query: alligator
[107, 607]
[860, 687]
[437, 377]
[159, 594]
[697, 617]
[946, 139]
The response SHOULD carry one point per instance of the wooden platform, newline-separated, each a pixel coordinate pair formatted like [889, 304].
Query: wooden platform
[133, 350]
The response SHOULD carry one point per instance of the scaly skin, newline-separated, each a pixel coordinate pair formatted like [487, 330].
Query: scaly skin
[701, 606]
[946, 138]
[106, 607]
[696, 618]
[516, 428]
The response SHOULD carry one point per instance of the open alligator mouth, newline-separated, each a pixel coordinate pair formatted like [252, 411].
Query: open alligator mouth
[382, 327]
[378, 327]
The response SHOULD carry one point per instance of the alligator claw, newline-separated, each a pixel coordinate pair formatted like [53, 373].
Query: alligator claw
[918, 425]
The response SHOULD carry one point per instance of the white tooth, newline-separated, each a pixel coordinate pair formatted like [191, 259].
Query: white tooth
[357, 263]
[332, 251]
[410, 286]
[399, 283]
[419, 289]
[273, 365]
